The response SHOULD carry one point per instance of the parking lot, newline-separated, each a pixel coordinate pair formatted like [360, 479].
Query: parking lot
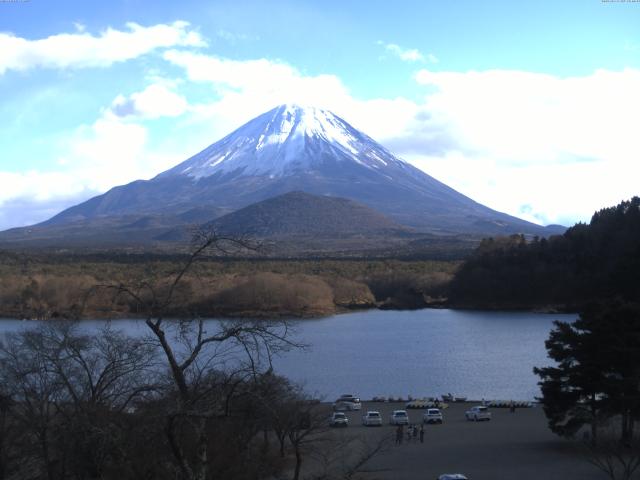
[510, 446]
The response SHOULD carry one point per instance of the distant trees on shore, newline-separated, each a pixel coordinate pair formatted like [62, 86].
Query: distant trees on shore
[56, 286]
[600, 260]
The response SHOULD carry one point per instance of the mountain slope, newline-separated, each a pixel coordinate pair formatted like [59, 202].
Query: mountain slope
[291, 148]
[300, 214]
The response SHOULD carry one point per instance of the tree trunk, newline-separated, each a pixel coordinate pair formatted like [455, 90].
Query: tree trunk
[594, 421]
[3, 428]
[296, 473]
[202, 468]
[45, 456]
[175, 447]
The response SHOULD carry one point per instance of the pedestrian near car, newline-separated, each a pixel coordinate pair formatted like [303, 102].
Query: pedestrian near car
[399, 435]
[414, 432]
[409, 434]
[421, 433]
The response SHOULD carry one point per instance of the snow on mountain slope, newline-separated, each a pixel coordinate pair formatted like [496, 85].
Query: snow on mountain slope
[283, 141]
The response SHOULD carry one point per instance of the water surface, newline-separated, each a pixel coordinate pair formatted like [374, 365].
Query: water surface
[399, 353]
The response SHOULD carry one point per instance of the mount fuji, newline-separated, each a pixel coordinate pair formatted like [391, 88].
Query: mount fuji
[289, 148]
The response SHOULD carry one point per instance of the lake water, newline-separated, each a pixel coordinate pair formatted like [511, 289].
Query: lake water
[420, 353]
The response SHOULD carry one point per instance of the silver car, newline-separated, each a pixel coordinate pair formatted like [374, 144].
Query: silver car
[372, 419]
[399, 417]
[432, 415]
[477, 413]
[338, 419]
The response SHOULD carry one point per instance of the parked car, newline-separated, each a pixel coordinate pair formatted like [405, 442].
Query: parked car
[452, 476]
[432, 415]
[479, 412]
[347, 402]
[338, 419]
[399, 417]
[371, 419]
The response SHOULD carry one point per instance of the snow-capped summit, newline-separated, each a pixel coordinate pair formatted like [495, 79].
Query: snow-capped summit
[285, 140]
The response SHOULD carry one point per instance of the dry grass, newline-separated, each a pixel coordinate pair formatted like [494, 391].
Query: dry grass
[58, 286]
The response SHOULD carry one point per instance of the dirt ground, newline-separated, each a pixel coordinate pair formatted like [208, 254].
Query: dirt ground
[509, 446]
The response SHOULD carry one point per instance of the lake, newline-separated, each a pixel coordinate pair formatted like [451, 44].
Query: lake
[420, 352]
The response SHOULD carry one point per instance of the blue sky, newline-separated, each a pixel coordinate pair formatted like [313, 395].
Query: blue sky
[528, 107]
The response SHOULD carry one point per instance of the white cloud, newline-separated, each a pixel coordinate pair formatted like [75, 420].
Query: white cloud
[564, 147]
[82, 50]
[408, 54]
[33, 196]
[531, 117]
[157, 100]
[249, 88]
[113, 151]
[95, 158]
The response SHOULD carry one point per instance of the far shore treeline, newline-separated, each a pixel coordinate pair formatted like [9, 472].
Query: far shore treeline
[595, 261]
[35, 286]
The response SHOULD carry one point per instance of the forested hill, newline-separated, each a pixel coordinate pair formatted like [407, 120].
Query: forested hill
[597, 261]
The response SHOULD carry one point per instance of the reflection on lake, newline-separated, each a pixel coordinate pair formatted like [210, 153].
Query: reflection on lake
[421, 353]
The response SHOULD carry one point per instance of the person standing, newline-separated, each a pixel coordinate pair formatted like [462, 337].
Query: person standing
[422, 433]
[399, 435]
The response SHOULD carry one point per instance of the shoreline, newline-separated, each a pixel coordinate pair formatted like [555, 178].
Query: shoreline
[306, 314]
[302, 315]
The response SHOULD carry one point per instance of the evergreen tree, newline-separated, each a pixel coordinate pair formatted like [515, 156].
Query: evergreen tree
[597, 375]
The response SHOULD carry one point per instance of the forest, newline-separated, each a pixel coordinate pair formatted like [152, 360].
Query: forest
[599, 260]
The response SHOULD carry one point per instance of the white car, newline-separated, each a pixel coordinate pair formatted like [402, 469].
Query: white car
[347, 403]
[399, 417]
[372, 419]
[479, 412]
[432, 415]
[338, 419]
[452, 476]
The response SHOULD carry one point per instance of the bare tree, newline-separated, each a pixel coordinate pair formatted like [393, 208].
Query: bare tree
[37, 390]
[69, 392]
[346, 457]
[617, 460]
[307, 424]
[6, 403]
[194, 347]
